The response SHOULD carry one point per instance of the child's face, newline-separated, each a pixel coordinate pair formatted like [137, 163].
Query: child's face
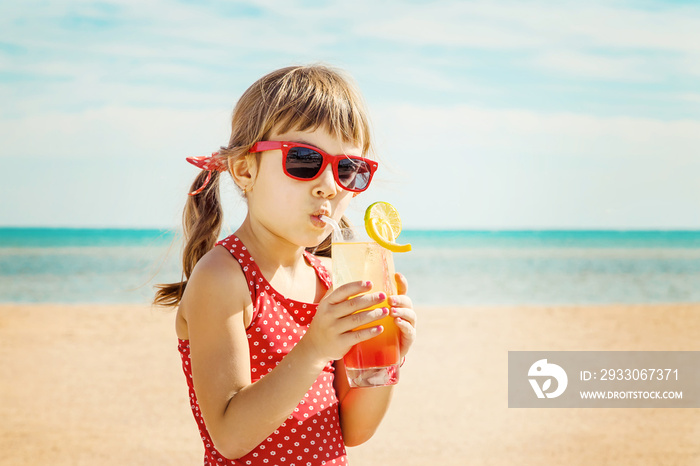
[291, 208]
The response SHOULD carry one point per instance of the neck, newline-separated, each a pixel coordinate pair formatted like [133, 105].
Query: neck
[281, 262]
[269, 250]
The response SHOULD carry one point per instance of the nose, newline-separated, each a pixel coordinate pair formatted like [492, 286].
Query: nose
[325, 185]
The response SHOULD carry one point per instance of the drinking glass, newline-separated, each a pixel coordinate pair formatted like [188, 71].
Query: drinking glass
[374, 362]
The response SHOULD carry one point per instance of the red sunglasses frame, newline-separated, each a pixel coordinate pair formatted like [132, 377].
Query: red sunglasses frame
[334, 160]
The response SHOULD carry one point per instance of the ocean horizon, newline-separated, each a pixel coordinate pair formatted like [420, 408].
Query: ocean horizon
[446, 267]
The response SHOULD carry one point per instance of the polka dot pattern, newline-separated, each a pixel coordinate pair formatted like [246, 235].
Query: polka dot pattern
[209, 164]
[311, 434]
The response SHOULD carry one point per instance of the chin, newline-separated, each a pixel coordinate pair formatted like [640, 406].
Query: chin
[314, 240]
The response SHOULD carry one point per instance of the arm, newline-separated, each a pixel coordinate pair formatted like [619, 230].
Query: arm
[362, 409]
[240, 414]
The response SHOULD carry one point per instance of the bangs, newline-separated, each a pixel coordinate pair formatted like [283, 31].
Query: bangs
[309, 98]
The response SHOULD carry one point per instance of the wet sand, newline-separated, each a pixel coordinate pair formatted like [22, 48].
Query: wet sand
[102, 384]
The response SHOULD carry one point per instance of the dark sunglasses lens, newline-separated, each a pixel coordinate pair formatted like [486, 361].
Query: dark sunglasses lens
[303, 163]
[353, 174]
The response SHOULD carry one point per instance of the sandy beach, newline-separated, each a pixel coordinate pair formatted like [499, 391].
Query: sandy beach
[102, 384]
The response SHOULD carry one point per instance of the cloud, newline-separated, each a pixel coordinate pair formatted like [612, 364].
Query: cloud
[689, 97]
[156, 29]
[526, 25]
[88, 54]
[514, 132]
[83, 55]
[115, 132]
[599, 39]
[505, 168]
[586, 65]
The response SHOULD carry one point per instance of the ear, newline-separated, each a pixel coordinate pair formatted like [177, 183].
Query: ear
[244, 171]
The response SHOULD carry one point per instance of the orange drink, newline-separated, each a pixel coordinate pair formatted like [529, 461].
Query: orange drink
[374, 362]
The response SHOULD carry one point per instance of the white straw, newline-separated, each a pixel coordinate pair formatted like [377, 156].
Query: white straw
[333, 223]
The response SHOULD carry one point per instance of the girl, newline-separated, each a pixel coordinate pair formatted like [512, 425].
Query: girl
[260, 335]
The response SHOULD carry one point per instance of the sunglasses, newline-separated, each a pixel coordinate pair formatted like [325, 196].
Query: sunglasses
[304, 162]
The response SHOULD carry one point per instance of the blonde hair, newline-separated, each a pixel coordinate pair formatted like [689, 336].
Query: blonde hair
[292, 98]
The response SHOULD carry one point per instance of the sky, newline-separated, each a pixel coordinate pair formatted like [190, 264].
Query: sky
[487, 114]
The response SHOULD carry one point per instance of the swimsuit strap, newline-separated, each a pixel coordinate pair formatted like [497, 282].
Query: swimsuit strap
[321, 271]
[252, 273]
[250, 268]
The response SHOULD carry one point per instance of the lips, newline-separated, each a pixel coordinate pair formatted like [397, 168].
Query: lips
[316, 217]
[320, 212]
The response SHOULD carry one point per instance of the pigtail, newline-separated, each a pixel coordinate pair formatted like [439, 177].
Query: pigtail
[201, 222]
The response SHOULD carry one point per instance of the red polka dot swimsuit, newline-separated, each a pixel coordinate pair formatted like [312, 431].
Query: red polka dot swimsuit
[311, 434]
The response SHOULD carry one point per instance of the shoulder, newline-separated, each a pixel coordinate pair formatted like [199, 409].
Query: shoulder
[218, 261]
[217, 269]
[217, 283]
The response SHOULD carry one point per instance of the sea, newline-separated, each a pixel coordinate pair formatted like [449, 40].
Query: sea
[445, 268]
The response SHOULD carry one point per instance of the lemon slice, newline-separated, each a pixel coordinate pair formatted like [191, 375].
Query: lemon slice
[383, 225]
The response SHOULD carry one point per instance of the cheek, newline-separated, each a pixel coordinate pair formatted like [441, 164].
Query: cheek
[276, 197]
[342, 203]
[271, 183]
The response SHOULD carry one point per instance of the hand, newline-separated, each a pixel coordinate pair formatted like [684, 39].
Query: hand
[330, 334]
[404, 315]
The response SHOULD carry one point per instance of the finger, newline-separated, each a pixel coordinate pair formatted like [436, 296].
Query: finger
[401, 283]
[342, 293]
[406, 314]
[400, 301]
[362, 319]
[357, 336]
[360, 303]
[405, 327]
